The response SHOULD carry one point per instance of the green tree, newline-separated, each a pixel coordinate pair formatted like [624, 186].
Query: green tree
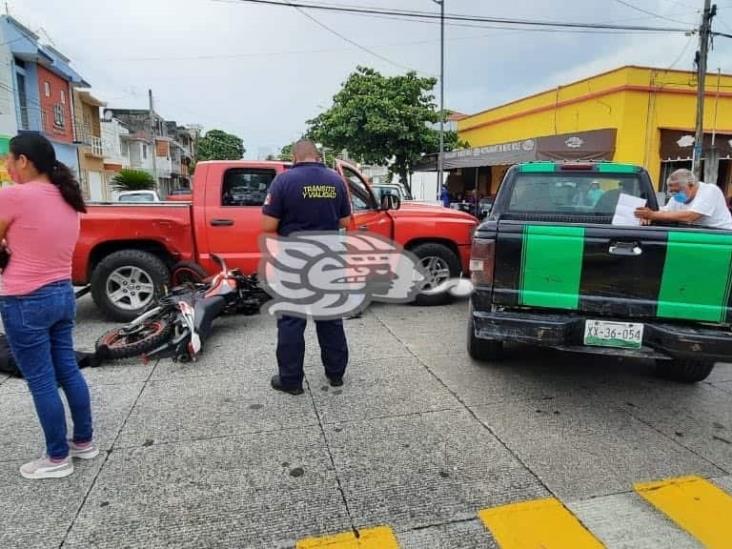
[286, 153]
[133, 180]
[383, 120]
[219, 145]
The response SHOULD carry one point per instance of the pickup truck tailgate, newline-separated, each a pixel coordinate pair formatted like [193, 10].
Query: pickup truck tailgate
[604, 270]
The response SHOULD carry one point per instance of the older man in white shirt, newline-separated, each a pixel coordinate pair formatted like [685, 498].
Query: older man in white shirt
[692, 202]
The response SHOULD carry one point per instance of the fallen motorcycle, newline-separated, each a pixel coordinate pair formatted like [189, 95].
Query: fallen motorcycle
[181, 322]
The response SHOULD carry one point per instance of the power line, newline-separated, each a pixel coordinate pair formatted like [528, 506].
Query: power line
[504, 28]
[683, 52]
[651, 13]
[466, 18]
[352, 42]
[402, 13]
[222, 56]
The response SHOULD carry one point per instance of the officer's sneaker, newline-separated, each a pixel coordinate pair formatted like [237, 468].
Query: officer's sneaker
[47, 468]
[336, 381]
[278, 386]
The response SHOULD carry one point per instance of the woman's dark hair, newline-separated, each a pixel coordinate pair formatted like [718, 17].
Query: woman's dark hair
[39, 151]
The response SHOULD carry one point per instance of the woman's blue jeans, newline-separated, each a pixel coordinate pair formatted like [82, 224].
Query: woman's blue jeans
[39, 328]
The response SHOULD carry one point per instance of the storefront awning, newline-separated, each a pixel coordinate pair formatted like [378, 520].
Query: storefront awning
[678, 145]
[589, 145]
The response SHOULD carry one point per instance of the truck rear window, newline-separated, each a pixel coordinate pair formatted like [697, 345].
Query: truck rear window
[585, 194]
[246, 186]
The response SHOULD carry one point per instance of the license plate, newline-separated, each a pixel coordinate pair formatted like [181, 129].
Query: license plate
[628, 335]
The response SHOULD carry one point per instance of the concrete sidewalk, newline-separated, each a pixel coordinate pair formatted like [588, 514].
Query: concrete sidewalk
[420, 438]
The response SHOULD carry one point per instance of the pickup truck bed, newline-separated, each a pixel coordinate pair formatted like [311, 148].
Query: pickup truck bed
[111, 227]
[552, 271]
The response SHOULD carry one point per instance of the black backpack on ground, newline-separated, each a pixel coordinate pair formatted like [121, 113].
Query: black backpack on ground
[9, 367]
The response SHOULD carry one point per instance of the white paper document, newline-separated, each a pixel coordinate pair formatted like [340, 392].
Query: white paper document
[625, 210]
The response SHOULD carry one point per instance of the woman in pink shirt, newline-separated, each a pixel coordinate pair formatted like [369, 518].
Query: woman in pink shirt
[39, 220]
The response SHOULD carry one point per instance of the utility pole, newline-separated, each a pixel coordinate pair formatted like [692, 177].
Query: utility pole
[705, 31]
[440, 167]
[151, 114]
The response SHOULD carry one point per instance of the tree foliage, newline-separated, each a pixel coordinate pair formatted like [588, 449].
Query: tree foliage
[133, 180]
[383, 120]
[219, 145]
[286, 153]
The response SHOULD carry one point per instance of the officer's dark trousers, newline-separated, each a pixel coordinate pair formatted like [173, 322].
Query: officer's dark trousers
[291, 348]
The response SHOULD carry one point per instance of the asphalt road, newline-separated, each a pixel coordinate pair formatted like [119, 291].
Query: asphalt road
[421, 448]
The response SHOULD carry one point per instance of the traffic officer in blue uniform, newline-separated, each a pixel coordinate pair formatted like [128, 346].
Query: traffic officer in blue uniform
[288, 209]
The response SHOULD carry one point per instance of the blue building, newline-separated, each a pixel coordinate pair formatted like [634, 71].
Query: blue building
[43, 82]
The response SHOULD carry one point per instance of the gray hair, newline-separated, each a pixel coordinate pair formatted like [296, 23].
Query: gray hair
[683, 177]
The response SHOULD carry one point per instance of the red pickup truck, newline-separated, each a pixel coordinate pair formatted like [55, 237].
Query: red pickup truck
[127, 252]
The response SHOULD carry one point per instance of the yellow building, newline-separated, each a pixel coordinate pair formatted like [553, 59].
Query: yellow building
[88, 134]
[632, 114]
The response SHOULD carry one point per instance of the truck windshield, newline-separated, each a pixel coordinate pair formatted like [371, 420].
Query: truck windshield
[568, 193]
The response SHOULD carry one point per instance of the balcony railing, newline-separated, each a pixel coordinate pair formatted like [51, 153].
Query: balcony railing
[84, 134]
[97, 148]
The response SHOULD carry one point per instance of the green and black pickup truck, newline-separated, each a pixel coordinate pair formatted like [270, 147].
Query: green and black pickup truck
[549, 268]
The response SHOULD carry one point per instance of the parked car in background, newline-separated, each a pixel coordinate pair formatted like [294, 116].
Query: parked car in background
[381, 190]
[138, 196]
[129, 253]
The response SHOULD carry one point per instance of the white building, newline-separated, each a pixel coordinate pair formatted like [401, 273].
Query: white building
[115, 144]
[140, 152]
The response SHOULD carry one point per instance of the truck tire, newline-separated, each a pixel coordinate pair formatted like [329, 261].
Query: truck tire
[443, 264]
[126, 283]
[186, 271]
[483, 350]
[686, 371]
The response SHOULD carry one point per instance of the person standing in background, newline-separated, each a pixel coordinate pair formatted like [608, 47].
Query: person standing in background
[445, 197]
[39, 219]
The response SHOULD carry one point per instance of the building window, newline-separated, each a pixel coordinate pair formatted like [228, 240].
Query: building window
[23, 102]
[47, 89]
[58, 115]
[144, 151]
[63, 97]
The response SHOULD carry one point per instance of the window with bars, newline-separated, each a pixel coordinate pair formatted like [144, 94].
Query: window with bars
[58, 115]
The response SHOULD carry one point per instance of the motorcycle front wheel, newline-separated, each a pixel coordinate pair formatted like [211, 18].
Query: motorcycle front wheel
[126, 342]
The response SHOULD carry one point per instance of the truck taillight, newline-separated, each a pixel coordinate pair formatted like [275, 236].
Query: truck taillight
[482, 261]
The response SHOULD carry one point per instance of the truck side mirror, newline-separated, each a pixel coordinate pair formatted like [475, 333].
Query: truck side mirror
[390, 201]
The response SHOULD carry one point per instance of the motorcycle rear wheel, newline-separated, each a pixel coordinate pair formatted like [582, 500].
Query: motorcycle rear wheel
[120, 343]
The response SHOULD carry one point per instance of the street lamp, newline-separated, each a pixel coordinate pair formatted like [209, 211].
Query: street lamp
[442, 96]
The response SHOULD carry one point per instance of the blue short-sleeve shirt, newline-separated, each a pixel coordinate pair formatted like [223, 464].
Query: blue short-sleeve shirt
[307, 197]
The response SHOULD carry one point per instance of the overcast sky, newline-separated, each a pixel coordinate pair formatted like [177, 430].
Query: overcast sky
[261, 71]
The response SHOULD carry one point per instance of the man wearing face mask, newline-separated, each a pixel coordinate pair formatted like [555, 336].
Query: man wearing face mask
[692, 202]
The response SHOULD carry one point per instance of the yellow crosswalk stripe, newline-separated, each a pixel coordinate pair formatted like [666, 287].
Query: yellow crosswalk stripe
[379, 537]
[544, 523]
[697, 506]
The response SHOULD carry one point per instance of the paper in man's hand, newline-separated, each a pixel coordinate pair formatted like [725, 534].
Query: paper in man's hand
[625, 210]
